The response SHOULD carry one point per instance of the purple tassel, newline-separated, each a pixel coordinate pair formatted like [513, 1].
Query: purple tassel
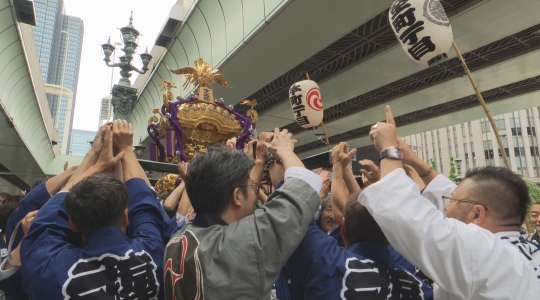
[153, 151]
[170, 141]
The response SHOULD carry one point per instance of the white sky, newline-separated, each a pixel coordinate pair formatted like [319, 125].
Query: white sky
[101, 19]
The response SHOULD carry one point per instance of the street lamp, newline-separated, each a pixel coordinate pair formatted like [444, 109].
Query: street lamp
[123, 94]
[139, 151]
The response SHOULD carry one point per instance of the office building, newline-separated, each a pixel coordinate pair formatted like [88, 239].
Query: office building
[106, 111]
[476, 145]
[58, 40]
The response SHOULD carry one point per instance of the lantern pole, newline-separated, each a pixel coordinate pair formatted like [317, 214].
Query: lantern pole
[326, 136]
[488, 113]
[486, 110]
[322, 124]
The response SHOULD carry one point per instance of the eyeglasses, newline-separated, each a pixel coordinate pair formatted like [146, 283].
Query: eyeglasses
[256, 185]
[452, 200]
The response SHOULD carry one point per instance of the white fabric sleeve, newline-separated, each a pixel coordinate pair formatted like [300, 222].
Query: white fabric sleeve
[7, 273]
[179, 218]
[438, 187]
[306, 175]
[464, 260]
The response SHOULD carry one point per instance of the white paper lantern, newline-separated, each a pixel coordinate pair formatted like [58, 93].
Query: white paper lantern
[306, 103]
[422, 28]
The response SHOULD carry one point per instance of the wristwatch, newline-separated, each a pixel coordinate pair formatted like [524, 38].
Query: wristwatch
[392, 152]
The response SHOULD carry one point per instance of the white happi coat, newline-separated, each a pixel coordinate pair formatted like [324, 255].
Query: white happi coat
[465, 260]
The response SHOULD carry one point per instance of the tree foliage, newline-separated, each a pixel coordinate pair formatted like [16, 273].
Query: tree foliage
[453, 175]
[433, 164]
[534, 191]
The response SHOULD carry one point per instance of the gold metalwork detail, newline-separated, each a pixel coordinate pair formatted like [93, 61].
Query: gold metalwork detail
[207, 126]
[251, 113]
[166, 184]
[154, 119]
[168, 95]
[201, 75]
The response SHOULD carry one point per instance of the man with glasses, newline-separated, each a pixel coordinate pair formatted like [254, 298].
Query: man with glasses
[476, 252]
[228, 250]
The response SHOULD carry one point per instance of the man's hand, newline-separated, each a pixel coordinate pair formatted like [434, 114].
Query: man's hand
[248, 149]
[260, 151]
[123, 135]
[282, 143]
[107, 160]
[407, 151]
[27, 221]
[384, 135]
[340, 157]
[325, 189]
[373, 175]
[182, 170]
[66, 166]
[97, 144]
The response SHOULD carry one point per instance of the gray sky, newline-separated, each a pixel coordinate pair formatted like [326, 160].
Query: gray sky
[101, 19]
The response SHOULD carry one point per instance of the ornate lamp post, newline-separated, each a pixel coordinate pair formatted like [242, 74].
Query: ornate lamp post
[123, 94]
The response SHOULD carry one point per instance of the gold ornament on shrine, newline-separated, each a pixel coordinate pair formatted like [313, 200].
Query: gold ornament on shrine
[204, 121]
[252, 113]
[166, 184]
[202, 76]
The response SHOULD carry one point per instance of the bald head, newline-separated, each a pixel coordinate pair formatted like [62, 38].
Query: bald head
[360, 224]
[504, 193]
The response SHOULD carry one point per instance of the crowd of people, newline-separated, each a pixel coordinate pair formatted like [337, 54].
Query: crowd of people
[256, 224]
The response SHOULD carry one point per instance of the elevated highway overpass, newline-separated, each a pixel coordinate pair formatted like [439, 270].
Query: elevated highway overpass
[348, 47]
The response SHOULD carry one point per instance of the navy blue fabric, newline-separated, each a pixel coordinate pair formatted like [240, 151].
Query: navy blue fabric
[321, 269]
[336, 233]
[281, 286]
[174, 227]
[170, 224]
[400, 260]
[34, 200]
[53, 265]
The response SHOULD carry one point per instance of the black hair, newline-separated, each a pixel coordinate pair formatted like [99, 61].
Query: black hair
[360, 223]
[36, 183]
[503, 191]
[8, 204]
[212, 177]
[98, 201]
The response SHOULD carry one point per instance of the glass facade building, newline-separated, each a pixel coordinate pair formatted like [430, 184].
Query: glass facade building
[58, 40]
[80, 141]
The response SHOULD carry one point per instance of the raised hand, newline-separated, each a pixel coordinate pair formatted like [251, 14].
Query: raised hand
[340, 155]
[282, 142]
[325, 188]
[406, 150]
[97, 144]
[107, 160]
[248, 149]
[373, 175]
[182, 170]
[384, 135]
[123, 135]
[260, 150]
